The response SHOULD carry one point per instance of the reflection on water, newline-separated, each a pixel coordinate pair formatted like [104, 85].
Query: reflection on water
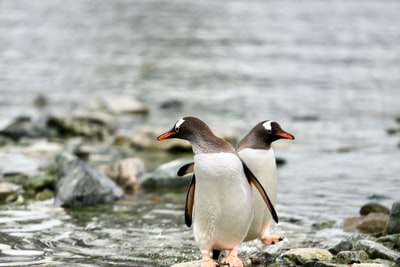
[232, 63]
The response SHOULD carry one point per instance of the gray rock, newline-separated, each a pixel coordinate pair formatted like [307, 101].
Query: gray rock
[328, 264]
[373, 223]
[369, 265]
[377, 250]
[125, 104]
[373, 207]
[349, 257]
[302, 255]
[393, 224]
[9, 192]
[126, 173]
[391, 241]
[24, 126]
[166, 175]
[80, 185]
[86, 126]
[341, 246]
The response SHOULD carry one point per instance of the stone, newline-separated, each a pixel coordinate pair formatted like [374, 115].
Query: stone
[23, 126]
[302, 255]
[393, 224]
[125, 104]
[9, 192]
[166, 175]
[369, 265]
[373, 207]
[126, 173]
[391, 241]
[377, 250]
[80, 185]
[328, 264]
[373, 223]
[79, 126]
[349, 257]
[341, 246]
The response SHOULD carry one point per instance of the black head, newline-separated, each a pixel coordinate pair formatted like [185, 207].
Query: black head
[263, 134]
[186, 128]
[198, 134]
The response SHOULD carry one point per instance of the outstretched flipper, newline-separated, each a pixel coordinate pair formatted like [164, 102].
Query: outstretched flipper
[186, 169]
[253, 180]
[190, 202]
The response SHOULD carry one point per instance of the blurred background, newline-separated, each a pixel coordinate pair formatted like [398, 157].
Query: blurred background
[328, 71]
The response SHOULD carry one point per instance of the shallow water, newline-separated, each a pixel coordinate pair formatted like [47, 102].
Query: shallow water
[232, 63]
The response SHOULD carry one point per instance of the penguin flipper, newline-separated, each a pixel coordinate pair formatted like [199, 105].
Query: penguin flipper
[186, 169]
[190, 202]
[253, 180]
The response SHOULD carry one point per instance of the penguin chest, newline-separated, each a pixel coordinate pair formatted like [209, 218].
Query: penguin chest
[262, 163]
[223, 207]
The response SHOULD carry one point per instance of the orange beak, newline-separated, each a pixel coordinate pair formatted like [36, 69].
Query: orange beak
[285, 135]
[165, 136]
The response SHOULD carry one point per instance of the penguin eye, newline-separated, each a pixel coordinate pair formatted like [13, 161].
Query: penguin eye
[177, 129]
[269, 131]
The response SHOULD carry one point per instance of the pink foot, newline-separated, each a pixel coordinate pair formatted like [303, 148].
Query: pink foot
[232, 261]
[271, 239]
[206, 261]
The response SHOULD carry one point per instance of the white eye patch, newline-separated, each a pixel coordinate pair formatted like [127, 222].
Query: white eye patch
[267, 125]
[179, 123]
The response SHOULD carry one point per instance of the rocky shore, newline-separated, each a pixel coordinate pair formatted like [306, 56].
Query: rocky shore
[82, 159]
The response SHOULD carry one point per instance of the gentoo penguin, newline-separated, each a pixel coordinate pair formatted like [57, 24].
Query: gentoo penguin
[256, 152]
[222, 195]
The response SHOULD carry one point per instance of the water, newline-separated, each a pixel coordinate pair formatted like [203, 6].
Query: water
[231, 63]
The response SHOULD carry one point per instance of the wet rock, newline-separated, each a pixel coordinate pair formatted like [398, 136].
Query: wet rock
[377, 250]
[125, 104]
[391, 241]
[171, 104]
[349, 257]
[166, 175]
[306, 118]
[9, 192]
[79, 126]
[372, 223]
[373, 207]
[369, 265]
[40, 101]
[302, 255]
[393, 224]
[80, 185]
[327, 264]
[341, 246]
[24, 126]
[126, 173]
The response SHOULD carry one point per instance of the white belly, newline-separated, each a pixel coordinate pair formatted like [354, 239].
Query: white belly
[223, 201]
[262, 163]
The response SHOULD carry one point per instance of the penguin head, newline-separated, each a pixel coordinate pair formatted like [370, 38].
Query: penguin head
[186, 128]
[271, 131]
[262, 135]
